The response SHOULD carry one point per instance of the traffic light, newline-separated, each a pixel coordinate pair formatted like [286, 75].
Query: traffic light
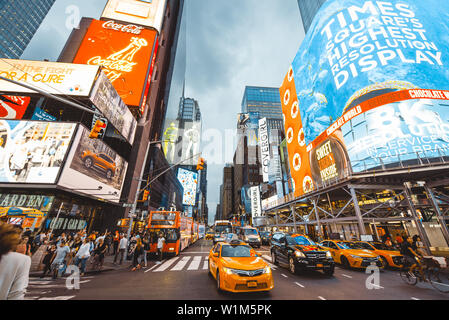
[200, 165]
[97, 130]
[146, 193]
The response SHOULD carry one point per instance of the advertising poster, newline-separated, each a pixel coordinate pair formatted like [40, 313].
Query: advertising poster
[107, 100]
[171, 145]
[351, 98]
[31, 151]
[125, 52]
[92, 164]
[191, 140]
[189, 181]
[264, 145]
[41, 115]
[53, 77]
[148, 13]
[13, 107]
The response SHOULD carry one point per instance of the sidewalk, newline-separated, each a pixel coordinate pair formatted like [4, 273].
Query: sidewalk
[108, 265]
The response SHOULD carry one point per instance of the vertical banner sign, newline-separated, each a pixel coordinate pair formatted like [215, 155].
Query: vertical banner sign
[264, 144]
[256, 210]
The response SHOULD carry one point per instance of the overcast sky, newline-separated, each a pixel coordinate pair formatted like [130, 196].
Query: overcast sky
[230, 44]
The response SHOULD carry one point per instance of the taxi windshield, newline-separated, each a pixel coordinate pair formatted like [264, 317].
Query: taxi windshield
[303, 241]
[342, 245]
[250, 232]
[241, 251]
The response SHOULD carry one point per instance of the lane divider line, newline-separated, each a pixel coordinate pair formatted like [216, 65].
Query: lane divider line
[298, 284]
[413, 298]
[345, 275]
[284, 275]
[320, 297]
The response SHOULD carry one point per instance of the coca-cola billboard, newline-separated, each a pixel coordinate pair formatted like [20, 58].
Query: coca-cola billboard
[124, 51]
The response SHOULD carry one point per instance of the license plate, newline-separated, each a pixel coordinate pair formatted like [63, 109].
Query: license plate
[252, 284]
[319, 265]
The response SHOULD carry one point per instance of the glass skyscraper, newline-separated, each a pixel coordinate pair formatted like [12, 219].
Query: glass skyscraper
[19, 21]
[266, 102]
[308, 9]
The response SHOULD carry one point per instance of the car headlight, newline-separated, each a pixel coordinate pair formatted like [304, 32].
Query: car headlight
[356, 257]
[299, 254]
[267, 270]
[228, 270]
[328, 254]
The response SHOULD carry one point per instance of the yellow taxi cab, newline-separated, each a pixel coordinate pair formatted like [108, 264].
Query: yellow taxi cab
[210, 235]
[348, 257]
[389, 257]
[238, 268]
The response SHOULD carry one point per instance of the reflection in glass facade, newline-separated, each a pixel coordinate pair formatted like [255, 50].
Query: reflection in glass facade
[19, 21]
[308, 9]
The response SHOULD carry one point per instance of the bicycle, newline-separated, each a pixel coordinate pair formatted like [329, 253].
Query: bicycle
[430, 272]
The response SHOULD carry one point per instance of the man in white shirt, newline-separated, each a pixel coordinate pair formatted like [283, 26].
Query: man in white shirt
[123, 245]
[82, 255]
[160, 246]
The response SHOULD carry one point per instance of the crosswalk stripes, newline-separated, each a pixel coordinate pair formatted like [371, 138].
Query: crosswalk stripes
[165, 265]
[195, 264]
[206, 265]
[181, 264]
[38, 287]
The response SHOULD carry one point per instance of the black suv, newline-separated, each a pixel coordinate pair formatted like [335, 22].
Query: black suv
[298, 252]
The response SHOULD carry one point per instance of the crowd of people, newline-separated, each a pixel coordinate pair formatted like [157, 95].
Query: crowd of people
[56, 252]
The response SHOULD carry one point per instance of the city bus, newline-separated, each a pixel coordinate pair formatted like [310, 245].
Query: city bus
[221, 229]
[170, 224]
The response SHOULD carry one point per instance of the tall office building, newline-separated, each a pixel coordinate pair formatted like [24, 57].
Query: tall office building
[266, 102]
[19, 21]
[189, 110]
[308, 9]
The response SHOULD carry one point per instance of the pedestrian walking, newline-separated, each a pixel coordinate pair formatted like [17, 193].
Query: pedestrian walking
[14, 266]
[160, 246]
[100, 251]
[146, 249]
[123, 245]
[138, 250]
[82, 255]
[48, 259]
[116, 242]
[24, 247]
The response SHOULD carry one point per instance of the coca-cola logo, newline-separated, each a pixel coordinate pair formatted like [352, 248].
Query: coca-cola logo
[130, 28]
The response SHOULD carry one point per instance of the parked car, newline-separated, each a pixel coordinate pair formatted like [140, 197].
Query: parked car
[99, 161]
[299, 253]
[251, 236]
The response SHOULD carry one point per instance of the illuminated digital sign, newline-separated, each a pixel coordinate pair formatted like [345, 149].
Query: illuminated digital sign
[125, 52]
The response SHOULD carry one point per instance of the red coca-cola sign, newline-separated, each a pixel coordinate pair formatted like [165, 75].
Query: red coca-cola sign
[13, 107]
[129, 28]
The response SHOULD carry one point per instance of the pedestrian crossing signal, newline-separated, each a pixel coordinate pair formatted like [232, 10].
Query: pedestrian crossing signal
[200, 165]
[98, 130]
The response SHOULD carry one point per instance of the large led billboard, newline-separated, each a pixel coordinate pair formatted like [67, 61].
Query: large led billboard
[52, 77]
[148, 13]
[125, 52]
[189, 181]
[350, 98]
[93, 168]
[33, 151]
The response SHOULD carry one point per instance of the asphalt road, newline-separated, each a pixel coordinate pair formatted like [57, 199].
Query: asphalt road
[186, 278]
